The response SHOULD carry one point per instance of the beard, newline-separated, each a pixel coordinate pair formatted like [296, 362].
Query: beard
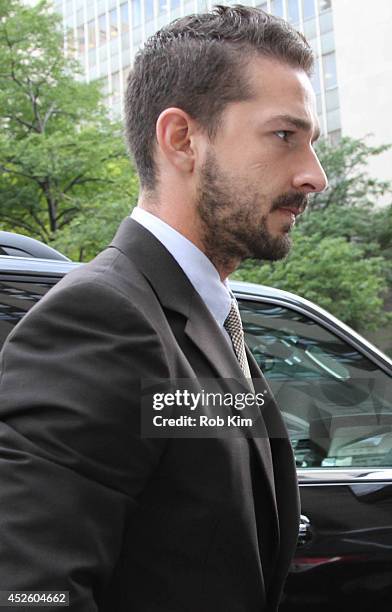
[233, 228]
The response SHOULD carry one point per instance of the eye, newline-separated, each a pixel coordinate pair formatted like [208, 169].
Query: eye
[284, 134]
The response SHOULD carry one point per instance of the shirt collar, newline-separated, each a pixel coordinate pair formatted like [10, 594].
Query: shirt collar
[195, 264]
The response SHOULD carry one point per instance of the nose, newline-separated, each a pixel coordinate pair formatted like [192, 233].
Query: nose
[310, 177]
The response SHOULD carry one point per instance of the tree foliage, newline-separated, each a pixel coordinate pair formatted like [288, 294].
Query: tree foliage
[58, 149]
[349, 182]
[349, 208]
[91, 231]
[333, 273]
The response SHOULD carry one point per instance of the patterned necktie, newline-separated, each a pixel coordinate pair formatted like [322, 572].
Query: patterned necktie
[233, 326]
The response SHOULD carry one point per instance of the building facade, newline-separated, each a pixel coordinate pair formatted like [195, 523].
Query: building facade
[106, 34]
[364, 72]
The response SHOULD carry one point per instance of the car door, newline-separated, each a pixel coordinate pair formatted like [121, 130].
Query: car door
[337, 404]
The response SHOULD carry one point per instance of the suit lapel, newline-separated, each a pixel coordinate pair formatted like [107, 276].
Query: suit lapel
[175, 292]
[261, 444]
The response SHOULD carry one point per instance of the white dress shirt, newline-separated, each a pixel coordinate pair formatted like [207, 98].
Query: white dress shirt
[198, 268]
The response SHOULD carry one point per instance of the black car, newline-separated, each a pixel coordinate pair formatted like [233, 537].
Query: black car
[335, 392]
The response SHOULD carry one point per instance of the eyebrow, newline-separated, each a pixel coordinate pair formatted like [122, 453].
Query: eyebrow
[297, 122]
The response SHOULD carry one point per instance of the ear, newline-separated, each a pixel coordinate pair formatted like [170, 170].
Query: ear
[176, 136]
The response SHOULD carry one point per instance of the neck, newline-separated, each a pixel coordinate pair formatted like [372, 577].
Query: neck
[190, 226]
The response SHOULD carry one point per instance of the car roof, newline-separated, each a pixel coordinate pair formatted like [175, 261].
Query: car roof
[36, 265]
[28, 246]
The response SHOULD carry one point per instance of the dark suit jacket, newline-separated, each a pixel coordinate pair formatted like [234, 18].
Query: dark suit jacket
[122, 522]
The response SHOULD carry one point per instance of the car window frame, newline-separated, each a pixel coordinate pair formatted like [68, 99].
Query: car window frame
[333, 475]
[379, 359]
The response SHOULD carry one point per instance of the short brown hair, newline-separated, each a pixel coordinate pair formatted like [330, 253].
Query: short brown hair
[196, 63]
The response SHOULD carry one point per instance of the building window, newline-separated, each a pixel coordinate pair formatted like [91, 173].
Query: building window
[70, 42]
[124, 17]
[329, 69]
[326, 22]
[174, 4]
[333, 120]
[102, 29]
[136, 13]
[113, 23]
[332, 99]
[162, 6]
[277, 7]
[293, 11]
[79, 16]
[327, 43]
[136, 38]
[319, 106]
[310, 29]
[313, 42]
[92, 58]
[103, 57]
[125, 77]
[116, 85]
[92, 39]
[308, 9]
[315, 80]
[125, 41]
[80, 39]
[149, 10]
[334, 137]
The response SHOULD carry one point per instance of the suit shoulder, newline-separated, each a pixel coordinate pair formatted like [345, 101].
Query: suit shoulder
[108, 293]
[110, 270]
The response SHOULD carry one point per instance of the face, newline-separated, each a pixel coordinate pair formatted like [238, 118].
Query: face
[259, 170]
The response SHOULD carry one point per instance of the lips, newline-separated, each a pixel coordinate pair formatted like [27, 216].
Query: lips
[294, 203]
[292, 210]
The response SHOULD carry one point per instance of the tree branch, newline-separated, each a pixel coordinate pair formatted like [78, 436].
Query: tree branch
[79, 180]
[16, 173]
[17, 221]
[21, 121]
[38, 221]
[72, 209]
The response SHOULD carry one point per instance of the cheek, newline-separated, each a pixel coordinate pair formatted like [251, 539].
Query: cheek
[262, 165]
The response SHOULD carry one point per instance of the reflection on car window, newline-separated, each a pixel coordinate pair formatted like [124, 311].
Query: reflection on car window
[16, 298]
[337, 404]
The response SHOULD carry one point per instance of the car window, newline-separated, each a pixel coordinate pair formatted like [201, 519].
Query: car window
[337, 403]
[13, 252]
[16, 298]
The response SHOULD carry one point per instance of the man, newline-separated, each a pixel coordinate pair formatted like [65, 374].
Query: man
[220, 118]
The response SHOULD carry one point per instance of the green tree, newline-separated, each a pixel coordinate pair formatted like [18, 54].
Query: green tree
[349, 208]
[331, 272]
[59, 152]
[346, 167]
[91, 230]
